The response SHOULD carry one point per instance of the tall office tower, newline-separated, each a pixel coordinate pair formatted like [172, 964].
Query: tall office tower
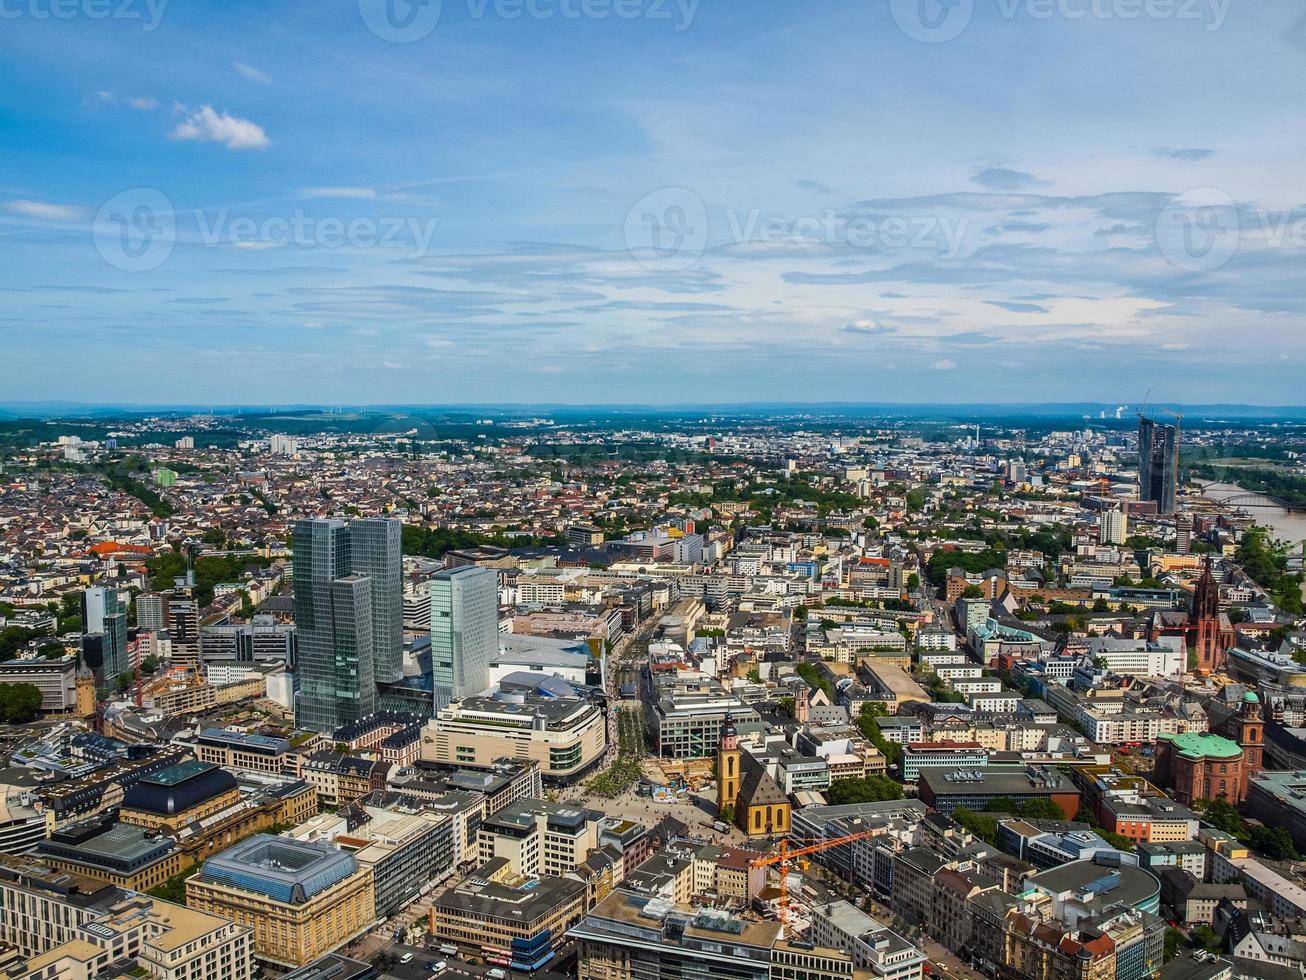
[1184, 534]
[464, 631]
[376, 551]
[1113, 527]
[348, 617]
[1158, 463]
[104, 633]
[152, 611]
[184, 628]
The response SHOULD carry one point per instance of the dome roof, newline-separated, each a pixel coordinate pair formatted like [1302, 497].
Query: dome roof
[1251, 698]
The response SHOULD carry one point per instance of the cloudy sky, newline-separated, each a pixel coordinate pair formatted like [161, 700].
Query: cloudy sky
[652, 201]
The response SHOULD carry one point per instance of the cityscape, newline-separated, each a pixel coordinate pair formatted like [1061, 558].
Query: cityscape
[652, 490]
[788, 694]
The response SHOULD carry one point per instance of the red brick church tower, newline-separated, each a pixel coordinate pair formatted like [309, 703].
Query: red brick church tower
[1250, 727]
[1211, 637]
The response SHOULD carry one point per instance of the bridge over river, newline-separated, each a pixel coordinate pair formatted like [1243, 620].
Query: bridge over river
[1283, 522]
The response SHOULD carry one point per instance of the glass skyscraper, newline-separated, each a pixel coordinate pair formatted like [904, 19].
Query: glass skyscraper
[464, 631]
[376, 551]
[1158, 464]
[348, 617]
[104, 633]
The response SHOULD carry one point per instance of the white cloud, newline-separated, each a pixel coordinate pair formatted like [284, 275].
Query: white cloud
[944, 365]
[144, 103]
[106, 97]
[207, 126]
[252, 73]
[354, 193]
[46, 211]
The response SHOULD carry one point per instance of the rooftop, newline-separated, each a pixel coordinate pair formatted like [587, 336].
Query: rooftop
[1193, 745]
[284, 870]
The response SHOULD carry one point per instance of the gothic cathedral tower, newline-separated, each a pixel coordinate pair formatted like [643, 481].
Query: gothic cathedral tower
[1206, 623]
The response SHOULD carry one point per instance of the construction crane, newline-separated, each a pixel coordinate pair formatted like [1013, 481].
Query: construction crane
[784, 855]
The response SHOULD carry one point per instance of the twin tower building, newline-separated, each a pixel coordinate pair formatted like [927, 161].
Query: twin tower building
[349, 619]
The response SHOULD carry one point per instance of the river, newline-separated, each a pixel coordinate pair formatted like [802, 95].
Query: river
[1283, 524]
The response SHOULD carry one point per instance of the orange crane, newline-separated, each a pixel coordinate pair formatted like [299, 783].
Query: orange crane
[784, 855]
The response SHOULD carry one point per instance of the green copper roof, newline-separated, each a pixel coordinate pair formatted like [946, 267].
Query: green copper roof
[1251, 697]
[1197, 746]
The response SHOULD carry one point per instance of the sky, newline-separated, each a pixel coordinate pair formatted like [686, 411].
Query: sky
[652, 201]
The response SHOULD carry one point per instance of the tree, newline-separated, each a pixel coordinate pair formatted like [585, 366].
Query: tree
[982, 825]
[1223, 816]
[1174, 941]
[1041, 809]
[1205, 937]
[972, 592]
[1275, 843]
[19, 703]
[871, 789]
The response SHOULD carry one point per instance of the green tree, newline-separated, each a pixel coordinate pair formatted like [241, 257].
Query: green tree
[19, 703]
[871, 789]
[1275, 843]
[1174, 941]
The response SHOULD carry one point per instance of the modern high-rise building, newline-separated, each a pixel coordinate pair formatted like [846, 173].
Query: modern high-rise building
[1113, 527]
[464, 631]
[376, 551]
[348, 617]
[1158, 464]
[152, 611]
[184, 628]
[104, 633]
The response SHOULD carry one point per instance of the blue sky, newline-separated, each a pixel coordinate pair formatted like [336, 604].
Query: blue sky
[652, 201]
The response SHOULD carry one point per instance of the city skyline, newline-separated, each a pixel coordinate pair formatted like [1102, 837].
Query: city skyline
[830, 203]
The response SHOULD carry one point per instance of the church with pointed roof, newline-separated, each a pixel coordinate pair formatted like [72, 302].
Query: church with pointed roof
[747, 794]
